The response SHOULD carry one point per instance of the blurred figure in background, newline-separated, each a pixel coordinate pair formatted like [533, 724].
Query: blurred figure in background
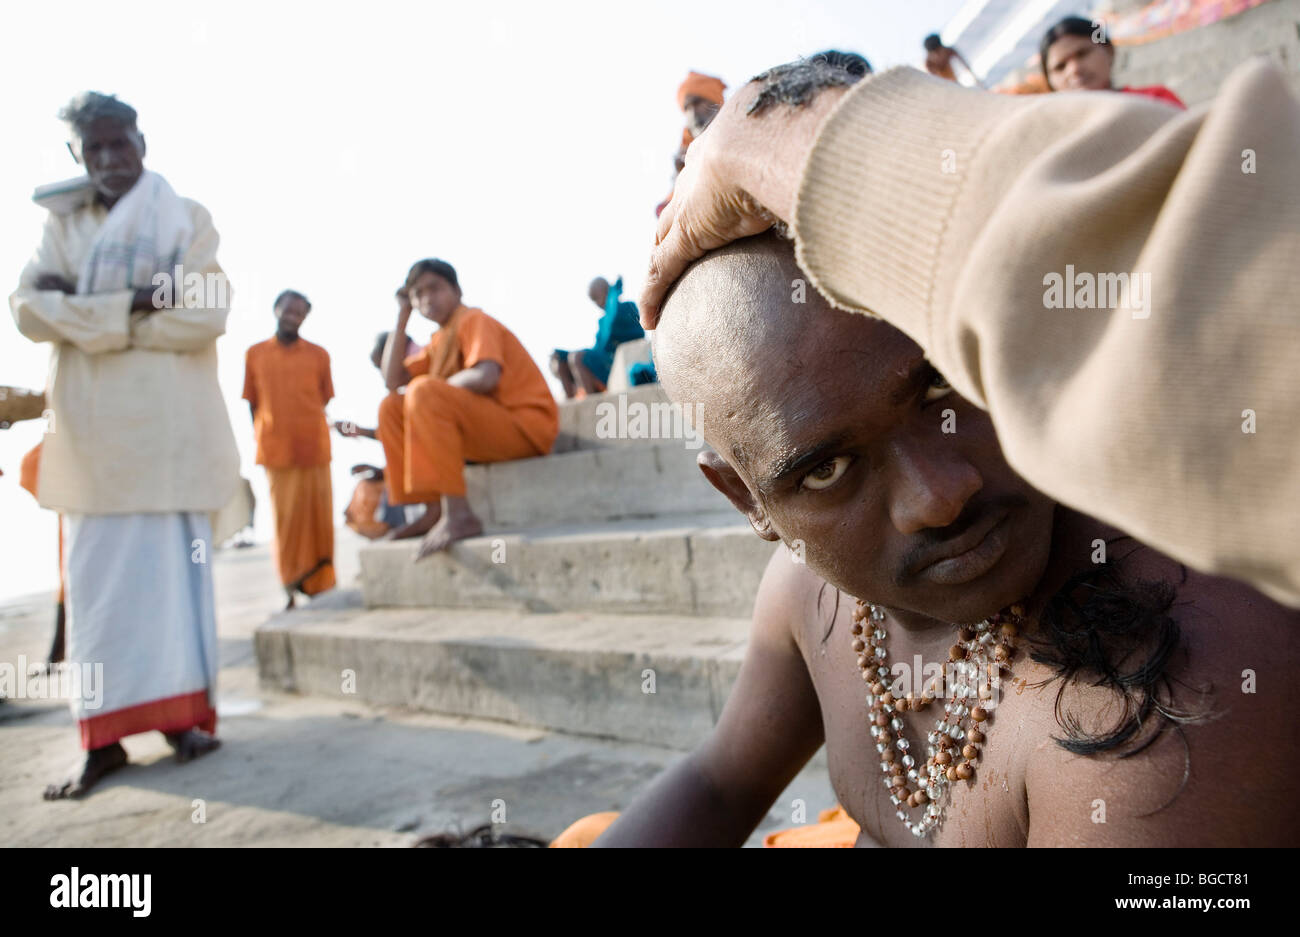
[17, 405]
[368, 512]
[126, 289]
[472, 393]
[698, 97]
[1077, 56]
[287, 384]
[939, 59]
[587, 371]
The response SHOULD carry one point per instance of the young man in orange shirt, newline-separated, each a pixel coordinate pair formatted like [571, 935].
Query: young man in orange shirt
[287, 384]
[472, 393]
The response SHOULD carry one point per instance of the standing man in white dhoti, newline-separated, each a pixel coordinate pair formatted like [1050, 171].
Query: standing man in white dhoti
[139, 448]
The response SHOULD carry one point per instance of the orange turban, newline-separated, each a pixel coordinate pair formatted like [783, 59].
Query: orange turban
[704, 86]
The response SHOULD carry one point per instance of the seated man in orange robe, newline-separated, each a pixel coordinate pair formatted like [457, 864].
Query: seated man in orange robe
[472, 393]
[287, 384]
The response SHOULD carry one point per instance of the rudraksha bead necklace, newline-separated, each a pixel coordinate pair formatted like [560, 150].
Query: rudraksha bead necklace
[976, 664]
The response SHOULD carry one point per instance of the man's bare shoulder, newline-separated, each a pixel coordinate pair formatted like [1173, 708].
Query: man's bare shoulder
[1209, 760]
[792, 593]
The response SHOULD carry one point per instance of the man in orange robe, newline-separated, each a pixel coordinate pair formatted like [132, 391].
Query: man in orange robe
[287, 384]
[473, 393]
[699, 97]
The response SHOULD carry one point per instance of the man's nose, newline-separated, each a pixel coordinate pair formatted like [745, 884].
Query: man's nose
[932, 483]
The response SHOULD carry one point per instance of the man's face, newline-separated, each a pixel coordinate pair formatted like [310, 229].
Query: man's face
[290, 315]
[598, 292]
[434, 298]
[849, 443]
[113, 155]
[699, 112]
[1076, 63]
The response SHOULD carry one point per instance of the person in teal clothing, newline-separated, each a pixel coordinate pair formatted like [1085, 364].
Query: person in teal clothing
[588, 370]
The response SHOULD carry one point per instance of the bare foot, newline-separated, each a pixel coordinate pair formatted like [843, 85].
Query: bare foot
[99, 762]
[420, 526]
[191, 744]
[447, 531]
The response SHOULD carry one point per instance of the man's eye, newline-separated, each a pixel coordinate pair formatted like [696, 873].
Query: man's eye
[826, 474]
[938, 388]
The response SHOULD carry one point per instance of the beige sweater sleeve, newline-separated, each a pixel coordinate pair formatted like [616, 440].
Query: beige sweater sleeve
[988, 228]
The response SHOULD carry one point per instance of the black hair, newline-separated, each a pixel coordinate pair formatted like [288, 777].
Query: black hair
[1116, 632]
[851, 62]
[1070, 26]
[796, 83]
[287, 295]
[432, 265]
[90, 106]
[482, 837]
[933, 42]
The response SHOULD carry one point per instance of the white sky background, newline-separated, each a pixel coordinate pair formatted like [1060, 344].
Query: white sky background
[335, 144]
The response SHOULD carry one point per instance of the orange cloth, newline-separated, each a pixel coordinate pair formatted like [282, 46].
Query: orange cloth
[30, 470]
[431, 430]
[360, 512]
[834, 829]
[522, 389]
[288, 386]
[704, 86]
[583, 833]
[303, 507]
[29, 474]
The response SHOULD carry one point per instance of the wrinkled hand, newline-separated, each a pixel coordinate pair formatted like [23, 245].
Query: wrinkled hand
[346, 428]
[742, 176]
[53, 281]
[709, 209]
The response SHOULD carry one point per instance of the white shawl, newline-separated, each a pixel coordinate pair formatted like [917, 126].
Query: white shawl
[147, 231]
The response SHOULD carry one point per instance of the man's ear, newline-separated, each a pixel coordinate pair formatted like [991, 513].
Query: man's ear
[725, 478]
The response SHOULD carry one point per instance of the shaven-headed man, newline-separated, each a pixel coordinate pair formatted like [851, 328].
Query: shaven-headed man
[833, 434]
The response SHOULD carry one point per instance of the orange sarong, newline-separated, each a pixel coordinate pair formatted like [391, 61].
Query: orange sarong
[834, 829]
[360, 512]
[430, 431]
[302, 502]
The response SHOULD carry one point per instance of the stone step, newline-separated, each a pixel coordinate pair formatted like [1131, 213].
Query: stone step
[658, 679]
[706, 564]
[590, 485]
[639, 416]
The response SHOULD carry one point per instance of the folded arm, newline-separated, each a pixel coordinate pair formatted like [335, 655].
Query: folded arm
[45, 310]
[199, 304]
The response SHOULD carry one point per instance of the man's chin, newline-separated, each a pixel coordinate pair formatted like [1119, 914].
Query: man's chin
[973, 601]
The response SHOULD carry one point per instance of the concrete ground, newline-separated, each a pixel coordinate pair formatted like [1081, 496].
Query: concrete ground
[302, 771]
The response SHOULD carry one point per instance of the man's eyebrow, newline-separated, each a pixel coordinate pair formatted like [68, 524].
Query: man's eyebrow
[800, 462]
